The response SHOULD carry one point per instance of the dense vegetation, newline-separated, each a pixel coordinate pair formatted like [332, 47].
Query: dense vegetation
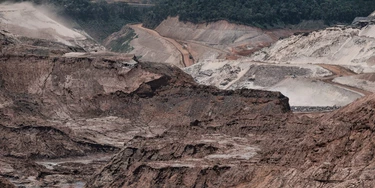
[261, 13]
[98, 19]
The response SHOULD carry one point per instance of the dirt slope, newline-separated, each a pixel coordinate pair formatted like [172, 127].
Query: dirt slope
[148, 45]
[221, 35]
[196, 42]
[345, 46]
[26, 20]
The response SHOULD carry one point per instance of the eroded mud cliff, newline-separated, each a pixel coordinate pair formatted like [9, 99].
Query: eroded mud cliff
[252, 150]
[70, 118]
[64, 116]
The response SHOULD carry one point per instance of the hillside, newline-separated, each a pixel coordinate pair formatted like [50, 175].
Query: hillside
[63, 119]
[264, 14]
[146, 44]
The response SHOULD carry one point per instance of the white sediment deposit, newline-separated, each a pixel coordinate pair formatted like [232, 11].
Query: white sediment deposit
[26, 20]
[353, 48]
[298, 82]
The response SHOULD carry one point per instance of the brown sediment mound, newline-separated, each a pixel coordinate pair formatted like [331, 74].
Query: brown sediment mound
[253, 150]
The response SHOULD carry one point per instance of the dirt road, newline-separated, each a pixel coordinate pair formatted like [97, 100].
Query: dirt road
[186, 60]
[339, 71]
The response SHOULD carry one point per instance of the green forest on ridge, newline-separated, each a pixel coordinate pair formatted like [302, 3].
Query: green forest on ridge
[261, 13]
[100, 19]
